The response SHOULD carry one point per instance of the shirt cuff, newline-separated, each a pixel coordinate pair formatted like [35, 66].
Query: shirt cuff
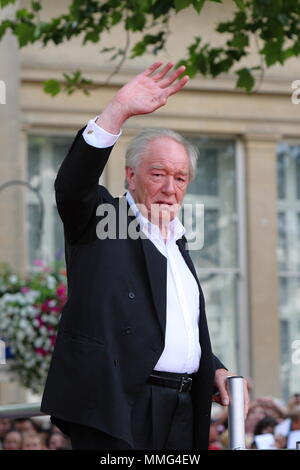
[96, 136]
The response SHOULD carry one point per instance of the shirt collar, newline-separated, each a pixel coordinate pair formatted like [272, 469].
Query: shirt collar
[176, 229]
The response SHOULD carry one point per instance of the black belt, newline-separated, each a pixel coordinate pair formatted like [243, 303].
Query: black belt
[182, 382]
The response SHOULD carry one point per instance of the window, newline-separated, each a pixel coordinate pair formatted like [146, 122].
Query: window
[219, 263]
[288, 255]
[45, 237]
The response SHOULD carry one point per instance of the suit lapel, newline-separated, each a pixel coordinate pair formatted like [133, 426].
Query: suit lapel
[157, 272]
[156, 265]
[181, 245]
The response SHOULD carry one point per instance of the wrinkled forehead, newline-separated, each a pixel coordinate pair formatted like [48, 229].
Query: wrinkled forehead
[164, 152]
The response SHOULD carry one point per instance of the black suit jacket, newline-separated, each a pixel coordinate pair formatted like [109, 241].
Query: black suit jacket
[112, 329]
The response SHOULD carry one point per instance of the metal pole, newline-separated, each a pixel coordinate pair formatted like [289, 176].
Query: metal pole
[21, 410]
[236, 413]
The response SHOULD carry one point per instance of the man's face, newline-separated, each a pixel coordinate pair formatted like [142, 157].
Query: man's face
[12, 441]
[159, 183]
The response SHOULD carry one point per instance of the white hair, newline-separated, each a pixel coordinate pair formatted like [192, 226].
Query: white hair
[138, 146]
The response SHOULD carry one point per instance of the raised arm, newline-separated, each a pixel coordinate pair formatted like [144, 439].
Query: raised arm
[77, 183]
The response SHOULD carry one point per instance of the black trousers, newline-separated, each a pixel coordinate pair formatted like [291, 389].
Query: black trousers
[162, 418]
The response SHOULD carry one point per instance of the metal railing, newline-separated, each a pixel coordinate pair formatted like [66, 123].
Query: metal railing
[22, 410]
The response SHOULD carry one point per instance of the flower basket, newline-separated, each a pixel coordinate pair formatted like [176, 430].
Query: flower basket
[30, 310]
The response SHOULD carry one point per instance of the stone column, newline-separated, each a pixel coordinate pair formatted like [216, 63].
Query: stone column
[11, 163]
[12, 205]
[261, 182]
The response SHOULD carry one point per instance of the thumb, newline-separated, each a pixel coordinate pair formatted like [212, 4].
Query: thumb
[224, 396]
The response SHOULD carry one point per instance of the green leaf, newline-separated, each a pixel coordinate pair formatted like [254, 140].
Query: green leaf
[283, 19]
[91, 36]
[239, 22]
[181, 4]
[135, 22]
[202, 64]
[36, 6]
[25, 33]
[52, 87]
[240, 4]
[198, 5]
[296, 48]
[107, 49]
[193, 47]
[116, 17]
[23, 13]
[290, 52]
[220, 67]
[240, 40]
[3, 27]
[4, 3]
[138, 49]
[142, 4]
[272, 52]
[223, 27]
[245, 79]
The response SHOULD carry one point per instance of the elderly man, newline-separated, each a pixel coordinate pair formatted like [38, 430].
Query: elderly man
[132, 366]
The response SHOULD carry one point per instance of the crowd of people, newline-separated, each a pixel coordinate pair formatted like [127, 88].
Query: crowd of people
[30, 434]
[267, 416]
[270, 424]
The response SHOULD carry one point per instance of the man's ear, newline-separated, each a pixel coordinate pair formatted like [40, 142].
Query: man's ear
[130, 176]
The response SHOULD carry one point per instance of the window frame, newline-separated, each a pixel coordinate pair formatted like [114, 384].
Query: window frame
[48, 236]
[242, 321]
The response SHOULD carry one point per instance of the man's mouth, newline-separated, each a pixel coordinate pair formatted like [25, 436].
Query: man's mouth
[161, 203]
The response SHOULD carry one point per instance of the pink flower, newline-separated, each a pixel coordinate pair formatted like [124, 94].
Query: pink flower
[61, 290]
[38, 262]
[41, 322]
[41, 351]
[56, 309]
[45, 306]
[25, 289]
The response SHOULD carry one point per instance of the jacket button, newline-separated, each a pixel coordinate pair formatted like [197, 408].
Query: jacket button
[128, 330]
[131, 295]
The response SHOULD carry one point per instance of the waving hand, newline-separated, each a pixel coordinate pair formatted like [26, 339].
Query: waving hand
[145, 93]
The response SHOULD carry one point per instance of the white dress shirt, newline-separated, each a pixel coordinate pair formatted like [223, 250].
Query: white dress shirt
[182, 349]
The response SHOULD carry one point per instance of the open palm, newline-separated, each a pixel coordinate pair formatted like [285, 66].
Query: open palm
[150, 89]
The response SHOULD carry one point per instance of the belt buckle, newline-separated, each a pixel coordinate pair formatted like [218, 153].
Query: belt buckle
[183, 381]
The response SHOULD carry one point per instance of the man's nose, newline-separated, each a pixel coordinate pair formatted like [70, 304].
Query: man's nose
[169, 185]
